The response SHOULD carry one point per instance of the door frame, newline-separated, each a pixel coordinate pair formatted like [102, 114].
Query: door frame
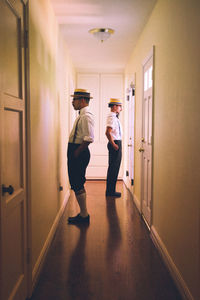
[129, 97]
[28, 149]
[150, 54]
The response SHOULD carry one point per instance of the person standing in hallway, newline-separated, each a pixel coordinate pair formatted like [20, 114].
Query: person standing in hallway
[78, 153]
[114, 135]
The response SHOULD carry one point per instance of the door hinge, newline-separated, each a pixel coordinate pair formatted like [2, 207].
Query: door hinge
[127, 173]
[133, 92]
[132, 181]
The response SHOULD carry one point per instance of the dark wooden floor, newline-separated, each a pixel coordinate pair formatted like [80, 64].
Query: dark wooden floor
[111, 259]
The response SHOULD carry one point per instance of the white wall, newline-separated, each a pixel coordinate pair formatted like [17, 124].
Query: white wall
[51, 73]
[174, 30]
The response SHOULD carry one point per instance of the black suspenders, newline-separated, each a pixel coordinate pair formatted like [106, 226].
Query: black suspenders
[75, 131]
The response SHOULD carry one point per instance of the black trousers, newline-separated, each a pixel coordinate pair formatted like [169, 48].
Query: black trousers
[114, 162]
[77, 166]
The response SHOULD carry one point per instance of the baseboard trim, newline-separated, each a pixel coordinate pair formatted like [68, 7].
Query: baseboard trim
[40, 261]
[137, 203]
[180, 283]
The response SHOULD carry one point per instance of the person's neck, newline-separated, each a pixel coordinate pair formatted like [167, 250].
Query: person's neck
[85, 105]
[115, 112]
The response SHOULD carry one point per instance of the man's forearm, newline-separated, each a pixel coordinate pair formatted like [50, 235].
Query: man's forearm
[81, 148]
[110, 138]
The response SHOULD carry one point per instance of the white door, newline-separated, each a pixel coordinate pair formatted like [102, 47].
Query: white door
[146, 141]
[131, 122]
[13, 250]
[102, 87]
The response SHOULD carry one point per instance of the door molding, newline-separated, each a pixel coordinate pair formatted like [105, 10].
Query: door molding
[129, 143]
[150, 55]
[28, 147]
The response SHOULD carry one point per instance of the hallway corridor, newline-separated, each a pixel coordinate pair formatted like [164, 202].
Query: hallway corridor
[111, 259]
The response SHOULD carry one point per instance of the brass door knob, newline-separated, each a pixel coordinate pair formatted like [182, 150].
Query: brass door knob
[141, 150]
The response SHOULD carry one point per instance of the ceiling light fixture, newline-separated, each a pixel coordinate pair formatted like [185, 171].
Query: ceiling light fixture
[101, 34]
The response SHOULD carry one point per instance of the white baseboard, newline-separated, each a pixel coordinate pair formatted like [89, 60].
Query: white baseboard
[135, 199]
[137, 203]
[44, 251]
[180, 283]
[125, 180]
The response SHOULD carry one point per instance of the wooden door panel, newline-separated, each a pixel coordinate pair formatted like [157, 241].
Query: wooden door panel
[111, 87]
[91, 83]
[97, 149]
[13, 231]
[146, 106]
[14, 247]
[150, 120]
[102, 87]
[13, 149]
[149, 171]
[145, 163]
[12, 62]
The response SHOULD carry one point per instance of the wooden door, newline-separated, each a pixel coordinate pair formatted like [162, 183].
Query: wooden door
[13, 249]
[102, 87]
[131, 122]
[146, 141]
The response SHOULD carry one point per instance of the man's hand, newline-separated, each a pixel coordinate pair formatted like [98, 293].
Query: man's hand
[76, 153]
[110, 138]
[115, 146]
[81, 148]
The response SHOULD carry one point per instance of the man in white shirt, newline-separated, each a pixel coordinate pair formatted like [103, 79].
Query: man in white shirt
[114, 135]
[78, 154]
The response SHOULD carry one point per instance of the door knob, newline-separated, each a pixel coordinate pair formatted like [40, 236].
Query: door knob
[141, 150]
[7, 189]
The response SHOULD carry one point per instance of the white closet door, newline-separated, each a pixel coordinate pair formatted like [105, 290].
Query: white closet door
[147, 138]
[102, 87]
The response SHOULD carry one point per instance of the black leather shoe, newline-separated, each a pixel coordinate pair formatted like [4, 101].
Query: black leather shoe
[78, 219]
[115, 194]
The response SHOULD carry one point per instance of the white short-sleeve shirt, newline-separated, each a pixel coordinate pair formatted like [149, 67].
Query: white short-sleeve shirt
[85, 127]
[114, 123]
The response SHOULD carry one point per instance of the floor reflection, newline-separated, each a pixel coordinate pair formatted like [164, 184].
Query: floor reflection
[114, 232]
[112, 259]
[78, 274]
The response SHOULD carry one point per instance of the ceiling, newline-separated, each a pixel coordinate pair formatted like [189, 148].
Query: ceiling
[77, 17]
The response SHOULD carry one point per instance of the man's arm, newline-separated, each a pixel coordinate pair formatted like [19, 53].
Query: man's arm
[81, 148]
[110, 138]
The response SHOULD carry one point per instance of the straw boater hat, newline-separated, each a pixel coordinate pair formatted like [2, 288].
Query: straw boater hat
[78, 93]
[114, 101]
